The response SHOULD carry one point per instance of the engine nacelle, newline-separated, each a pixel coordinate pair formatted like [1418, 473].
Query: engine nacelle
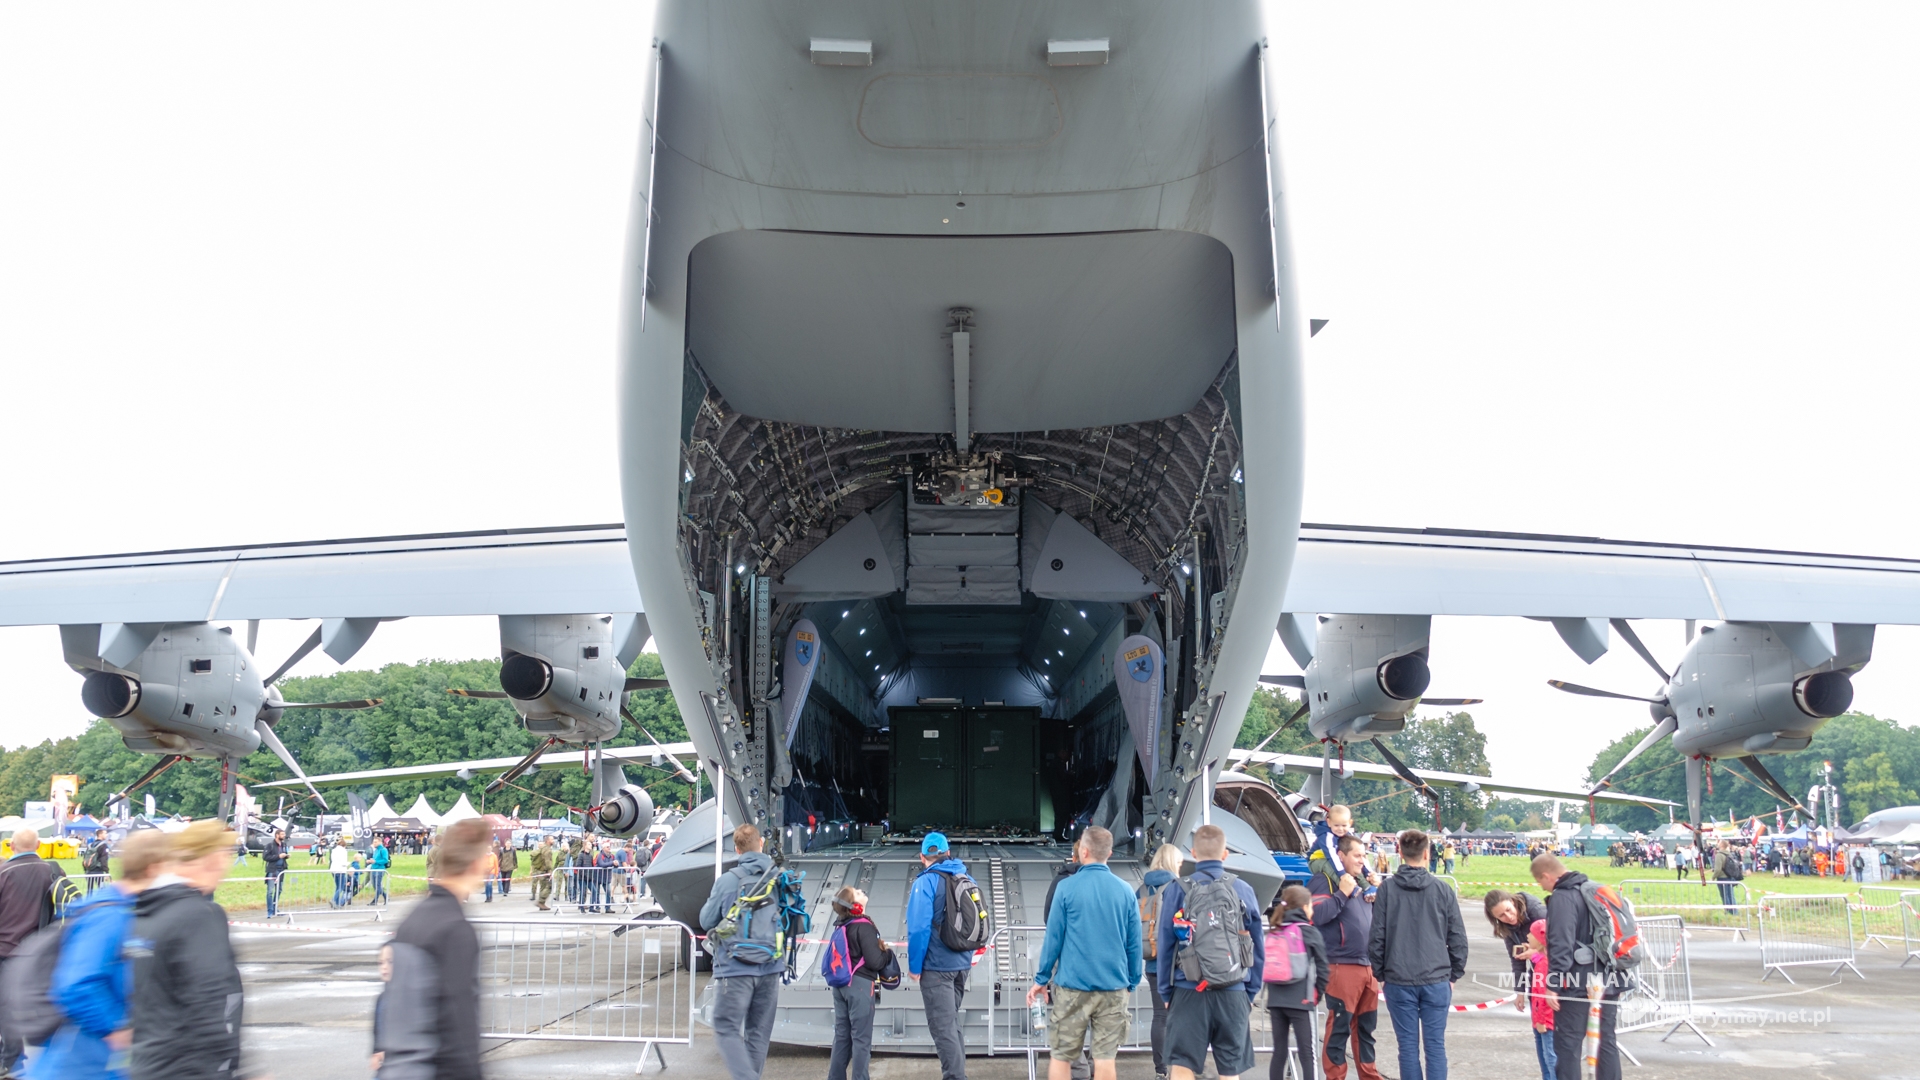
[525, 678]
[1404, 678]
[1824, 694]
[109, 696]
[628, 813]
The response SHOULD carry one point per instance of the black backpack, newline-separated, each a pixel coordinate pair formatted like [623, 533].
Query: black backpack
[26, 985]
[965, 926]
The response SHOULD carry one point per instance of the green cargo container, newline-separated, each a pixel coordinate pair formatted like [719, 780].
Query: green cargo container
[966, 769]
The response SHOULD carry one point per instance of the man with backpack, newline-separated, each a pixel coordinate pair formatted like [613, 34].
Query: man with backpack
[1418, 949]
[1211, 949]
[1574, 965]
[741, 918]
[946, 923]
[1091, 958]
[84, 996]
[28, 902]
[1727, 870]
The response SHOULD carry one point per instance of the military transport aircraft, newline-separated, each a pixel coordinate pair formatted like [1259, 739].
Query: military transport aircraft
[960, 440]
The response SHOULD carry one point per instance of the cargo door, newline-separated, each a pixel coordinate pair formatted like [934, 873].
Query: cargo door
[927, 760]
[1002, 783]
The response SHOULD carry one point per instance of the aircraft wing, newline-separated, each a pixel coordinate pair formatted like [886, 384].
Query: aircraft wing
[517, 572]
[1339, 568]
[558, 759]
[1367, 770]
[1363, 570]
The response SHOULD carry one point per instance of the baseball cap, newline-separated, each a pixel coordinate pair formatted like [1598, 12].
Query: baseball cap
[935, 843]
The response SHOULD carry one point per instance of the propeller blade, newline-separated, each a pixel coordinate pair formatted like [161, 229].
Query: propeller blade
[1588, 691]
[253, 635]
[646, 684]
[678, 769]
[1660, 731]
[1298, 682]
[525, 763]
[280, 751]
[478, 693]
[1774, 787]
[299, 654]
[1640, 647]
[357, 703]
[1451, 700]
[1406, 773]
[1287, 723]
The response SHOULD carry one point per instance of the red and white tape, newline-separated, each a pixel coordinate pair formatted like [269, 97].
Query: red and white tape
[1485, 1005]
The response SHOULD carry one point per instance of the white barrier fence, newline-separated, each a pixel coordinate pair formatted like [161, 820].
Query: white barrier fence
[1881, 921]
[588, 982]
[301, 894]
[1714, 905]
[1012, 955]
[1662, 991]
[1910, 925]
[1799, 931]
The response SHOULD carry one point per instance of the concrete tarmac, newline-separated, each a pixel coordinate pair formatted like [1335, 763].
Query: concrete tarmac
[310, 997]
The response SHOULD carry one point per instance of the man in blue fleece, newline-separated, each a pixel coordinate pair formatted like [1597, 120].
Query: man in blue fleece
[1091, 956]
[91, 982]
[1218, 1015]
[941, 972]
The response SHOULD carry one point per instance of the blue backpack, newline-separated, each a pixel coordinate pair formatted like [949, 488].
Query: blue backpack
[837, 963]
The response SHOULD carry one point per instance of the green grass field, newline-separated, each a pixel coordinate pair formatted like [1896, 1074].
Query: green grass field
[1483, 872]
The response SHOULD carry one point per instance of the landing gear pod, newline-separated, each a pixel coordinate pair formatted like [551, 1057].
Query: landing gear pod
[628, 813]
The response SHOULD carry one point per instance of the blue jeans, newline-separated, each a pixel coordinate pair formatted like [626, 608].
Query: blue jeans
[1543, 1049]
[273, 895]
[379, 886]
[342, 890]
[1420, 1019]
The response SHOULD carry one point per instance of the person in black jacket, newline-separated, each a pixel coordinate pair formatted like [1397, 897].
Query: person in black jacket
[1511, 914]
[186, 1005]
[436, 949]
[27, 885]
[853, 1003]
[1571, 969]
[275, 857]
[1290, 1004]
[1418, 948]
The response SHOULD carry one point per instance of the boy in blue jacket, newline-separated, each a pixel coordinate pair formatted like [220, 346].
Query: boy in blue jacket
[91, 983]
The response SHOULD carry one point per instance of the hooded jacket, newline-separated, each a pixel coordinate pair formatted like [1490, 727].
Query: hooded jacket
[1168, 975]
[1418, 936]
[437, 928]
[870, 954]
[751, 867]
[1153, 881]
[90, 985]
[1569, 931]
[1531, 911]
[926, 904]
[1345, 922]
[187, 996]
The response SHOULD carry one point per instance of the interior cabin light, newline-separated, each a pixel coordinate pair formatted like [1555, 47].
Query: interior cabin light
[844, 614]
[1185, 569]
[1046, 660]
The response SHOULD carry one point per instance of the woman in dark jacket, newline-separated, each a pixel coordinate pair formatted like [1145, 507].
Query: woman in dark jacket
[853, 1003]
[1511, 913]
[185, 1010]
[1290, 1004]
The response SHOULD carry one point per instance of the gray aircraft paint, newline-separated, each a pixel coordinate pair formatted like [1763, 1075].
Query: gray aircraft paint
[747, 135]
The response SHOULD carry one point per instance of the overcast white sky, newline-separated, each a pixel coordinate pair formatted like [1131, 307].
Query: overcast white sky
[1632, 271]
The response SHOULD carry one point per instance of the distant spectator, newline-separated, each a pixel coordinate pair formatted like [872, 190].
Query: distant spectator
[1152, 891]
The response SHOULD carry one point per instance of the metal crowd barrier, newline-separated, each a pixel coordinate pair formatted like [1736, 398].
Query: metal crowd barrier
[305, 893]
[1880, 916]
[1806, 930]
[1910, 925]
[611, 889]
[89, 882]
[1661, 994]
[1013, 953]
[1700, 906]
[588, 982]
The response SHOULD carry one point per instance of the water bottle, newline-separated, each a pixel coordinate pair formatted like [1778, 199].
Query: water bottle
[1037, 1016]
